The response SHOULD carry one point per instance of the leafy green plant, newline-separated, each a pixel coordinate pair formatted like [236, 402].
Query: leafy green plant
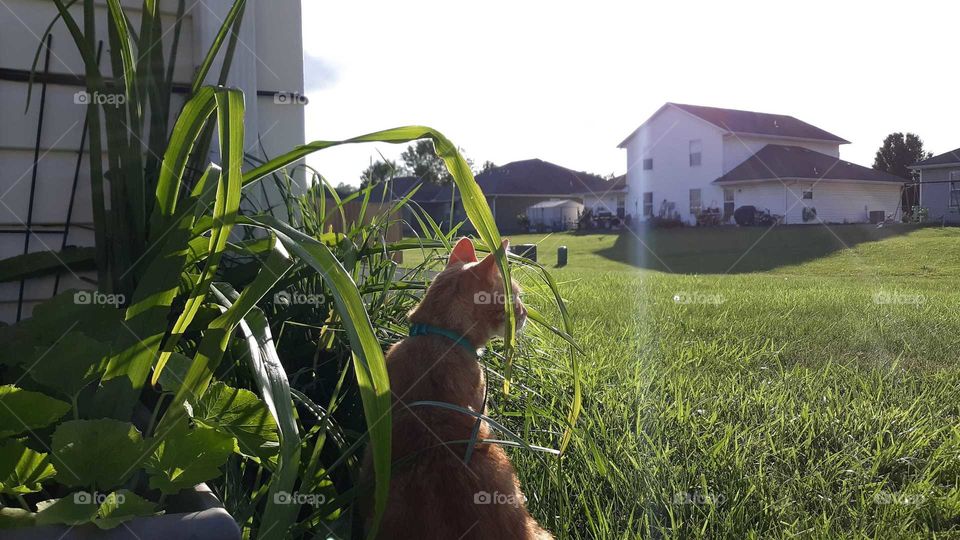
[152, 378]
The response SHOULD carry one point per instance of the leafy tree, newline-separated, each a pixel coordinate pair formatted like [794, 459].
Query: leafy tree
[380, 171]
[487, 165]
[897, 153]
[343, 189]
[422, 161]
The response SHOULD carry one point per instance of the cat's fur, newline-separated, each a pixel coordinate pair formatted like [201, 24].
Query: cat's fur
[433, 493]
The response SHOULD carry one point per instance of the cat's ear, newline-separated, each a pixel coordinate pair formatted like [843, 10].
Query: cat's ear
[463, 252]
[488, 266]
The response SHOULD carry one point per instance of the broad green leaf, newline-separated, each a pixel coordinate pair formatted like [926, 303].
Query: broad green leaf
[41, 263]
[186, 457]
[104, 511]
[241, 414]
[100, 454]
[12, 518]
[70, 364]
[23, 410]
[74, 509]
[22, 470]
[138, 338]
[122, 505]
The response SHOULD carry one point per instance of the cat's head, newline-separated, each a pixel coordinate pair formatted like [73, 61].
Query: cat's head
[467, 296]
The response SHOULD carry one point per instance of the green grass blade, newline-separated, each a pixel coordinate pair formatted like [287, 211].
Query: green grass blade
[119, 20]
[474, 203]
[369, 364]
[228, 21]
[271, 379]
[189, 125]
[215, 340]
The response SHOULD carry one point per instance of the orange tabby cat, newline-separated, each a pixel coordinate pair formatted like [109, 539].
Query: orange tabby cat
[433, 493]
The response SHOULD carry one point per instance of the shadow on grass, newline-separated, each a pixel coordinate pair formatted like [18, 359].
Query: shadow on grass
[737, 250]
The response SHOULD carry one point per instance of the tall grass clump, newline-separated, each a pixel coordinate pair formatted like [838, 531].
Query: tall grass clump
[197, 371]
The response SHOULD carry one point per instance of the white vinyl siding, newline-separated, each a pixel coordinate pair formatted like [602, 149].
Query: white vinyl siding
[954, 189]
[844, 202]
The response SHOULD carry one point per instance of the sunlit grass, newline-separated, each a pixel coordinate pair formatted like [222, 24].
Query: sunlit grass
[778, 403]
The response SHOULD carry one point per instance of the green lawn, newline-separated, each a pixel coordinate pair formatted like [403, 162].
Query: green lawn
[805, 387]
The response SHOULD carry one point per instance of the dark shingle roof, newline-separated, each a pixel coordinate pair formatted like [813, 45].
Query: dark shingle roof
[537, 177]
[527, 177]
[790, 162]
[945, 158]
[778, 125]
[428, 192]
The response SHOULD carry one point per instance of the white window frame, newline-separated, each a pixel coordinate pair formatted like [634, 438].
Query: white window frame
[696, 152]
[732, 201]
[804, 192]
[695, 209]
[647, 206]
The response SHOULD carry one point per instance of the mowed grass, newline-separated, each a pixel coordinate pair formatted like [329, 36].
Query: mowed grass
[739, 383]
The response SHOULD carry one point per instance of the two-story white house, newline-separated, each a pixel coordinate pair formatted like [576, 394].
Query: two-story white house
[687, 158]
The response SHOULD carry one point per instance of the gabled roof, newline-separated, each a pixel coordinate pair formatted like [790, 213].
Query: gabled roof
[537, 177]
[752, 123]
[775, 161]
[947, 158]
[527, 177]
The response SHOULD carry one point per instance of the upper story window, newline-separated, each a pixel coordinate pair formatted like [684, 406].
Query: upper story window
[808, 194]
[648, 164]
[696, 152]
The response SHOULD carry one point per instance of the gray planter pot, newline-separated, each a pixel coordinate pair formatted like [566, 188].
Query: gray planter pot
[193, 514]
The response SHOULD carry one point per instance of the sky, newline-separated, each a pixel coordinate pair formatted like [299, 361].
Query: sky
[567, 81]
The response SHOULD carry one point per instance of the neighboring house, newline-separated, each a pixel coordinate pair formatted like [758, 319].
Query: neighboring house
[940, 186]
[267, 65]
[611, 200]
[510, 191]
[688, 158]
